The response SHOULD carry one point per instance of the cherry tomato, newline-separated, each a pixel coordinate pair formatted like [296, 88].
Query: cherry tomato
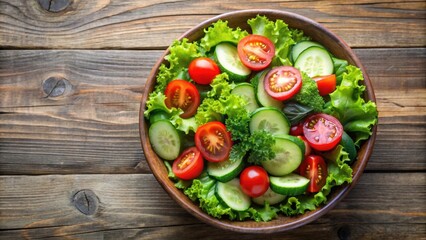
[184, 95]
[283, 82]
[203, 70]
[256, 51]
[326, 84]
[213, 141]
[315, 169]
[307, 146]
[254, 181]
[297, 129]
[189, 164]
[322, 131]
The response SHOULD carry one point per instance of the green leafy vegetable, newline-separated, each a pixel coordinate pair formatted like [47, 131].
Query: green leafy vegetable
[339, 68]
[181, 54]
[296, 112]
[346, 103]
[339, 172]
[221, 32]
[280, 34]
[309, 94]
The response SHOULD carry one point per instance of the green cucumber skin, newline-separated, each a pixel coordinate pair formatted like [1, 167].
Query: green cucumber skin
[300, 47]
[236, 71]
[165, 127]
[289, 189]
[227, 176]
[246, 90]
[288, 158]
[260, 115]
[234, 183]
[324, 63]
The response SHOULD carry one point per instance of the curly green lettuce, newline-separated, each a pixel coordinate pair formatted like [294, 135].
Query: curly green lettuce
[348, 105]
[220, 32]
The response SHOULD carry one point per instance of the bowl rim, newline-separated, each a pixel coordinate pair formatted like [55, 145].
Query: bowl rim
[255, 227]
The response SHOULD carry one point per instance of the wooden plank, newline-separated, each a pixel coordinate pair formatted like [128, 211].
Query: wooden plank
[135, 206]
[156, 23]
[93, 126]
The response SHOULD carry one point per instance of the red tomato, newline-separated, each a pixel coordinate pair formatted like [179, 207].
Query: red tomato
[213, 141]
[315, 169]
[326, 84]
[256, 51]
[297, 129]
[203, 70]
[322, 131]
[184, 95]
[254, 181]
[189, 164]
[307, 146]
[283, 82]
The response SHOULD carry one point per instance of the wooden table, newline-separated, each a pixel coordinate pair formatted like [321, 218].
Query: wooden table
[71, 79]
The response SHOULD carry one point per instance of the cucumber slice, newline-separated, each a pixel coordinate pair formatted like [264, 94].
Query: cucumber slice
[262, 96]
[165, 139]
[349, 146]
[226, 170]
[246, 90]
[288, 156]
[294, 139]
[230, 193]
[158, 115]
[290, 185]
[315, 61]
[270, 197]
[300, 47]
[229, 62]
[269, 119]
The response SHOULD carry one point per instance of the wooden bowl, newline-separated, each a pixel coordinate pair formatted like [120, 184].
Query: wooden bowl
[239, 19]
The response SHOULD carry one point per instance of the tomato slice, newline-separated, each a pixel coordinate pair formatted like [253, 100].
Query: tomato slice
[283, 82]
[213, 141]
[315, 169]
[254, 181]
[189, 164]
[322, 131]
[184, 95]
[256, 51]
[326, 84]
[203, 70]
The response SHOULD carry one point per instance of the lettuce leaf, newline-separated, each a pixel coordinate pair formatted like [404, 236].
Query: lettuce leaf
[221, 32]
[280, 34]
[339, 172]
[346, 103]
[181, 54]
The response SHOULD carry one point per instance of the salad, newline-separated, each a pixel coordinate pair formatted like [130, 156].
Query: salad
[252, 124]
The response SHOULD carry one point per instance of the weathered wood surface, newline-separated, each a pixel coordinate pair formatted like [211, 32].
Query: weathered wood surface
[155, 23]
[70, 85]
[93, 128]
[134, 206]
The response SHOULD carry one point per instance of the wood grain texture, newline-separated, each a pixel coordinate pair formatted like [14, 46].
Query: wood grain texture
[94, 127]
[135, 206]
[155, 24]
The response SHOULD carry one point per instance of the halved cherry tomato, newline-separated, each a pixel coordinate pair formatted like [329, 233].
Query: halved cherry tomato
[307, 146]
[326, 84]
[254, 181]
[322, 131]
[256, 51]
[203, 70]
[189, 164]
[315, 169]
[283, 82]
[213, 141]
[184, 95]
